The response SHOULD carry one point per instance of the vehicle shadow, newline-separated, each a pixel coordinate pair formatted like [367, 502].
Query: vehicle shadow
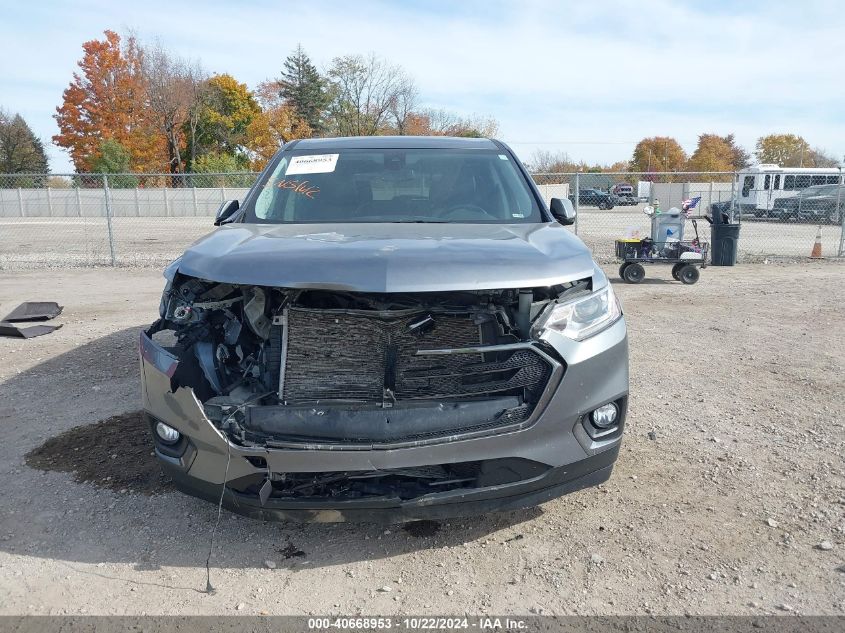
[648, 281]
[109, 513]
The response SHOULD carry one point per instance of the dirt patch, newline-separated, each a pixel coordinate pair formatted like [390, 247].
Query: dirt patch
[291, 551]
[114, 453]
[422, 529]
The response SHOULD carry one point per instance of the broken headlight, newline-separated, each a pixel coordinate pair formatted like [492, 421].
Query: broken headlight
[169, 275]
[583, 317]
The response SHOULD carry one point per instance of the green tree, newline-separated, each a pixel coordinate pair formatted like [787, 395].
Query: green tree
[304, 89]
[218, 169]
[658, 153]
[223, 119]
[115, 160]
[20, 150]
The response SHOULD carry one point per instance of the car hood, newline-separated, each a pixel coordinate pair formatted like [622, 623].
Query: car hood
[389, 257]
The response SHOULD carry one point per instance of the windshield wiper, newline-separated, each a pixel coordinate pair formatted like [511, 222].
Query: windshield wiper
[409, 221]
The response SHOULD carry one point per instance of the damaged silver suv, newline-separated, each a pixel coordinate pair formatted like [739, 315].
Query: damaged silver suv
[387, 329]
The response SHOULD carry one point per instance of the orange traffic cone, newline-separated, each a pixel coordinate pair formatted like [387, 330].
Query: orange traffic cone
[817, 247]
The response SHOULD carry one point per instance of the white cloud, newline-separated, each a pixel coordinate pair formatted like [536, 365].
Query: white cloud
[549, 71]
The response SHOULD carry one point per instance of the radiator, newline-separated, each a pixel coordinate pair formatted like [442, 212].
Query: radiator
[332, 355]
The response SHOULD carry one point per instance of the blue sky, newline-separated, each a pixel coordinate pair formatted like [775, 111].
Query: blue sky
[587, 78]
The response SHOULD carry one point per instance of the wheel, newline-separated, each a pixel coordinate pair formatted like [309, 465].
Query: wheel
[622, 270]
[689, 274]
[676, 271]
[633, 273]
[603, 205]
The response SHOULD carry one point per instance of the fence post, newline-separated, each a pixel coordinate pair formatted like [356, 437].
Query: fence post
[732, 205]
[166, 205]
[841, 213]
[710, 201]
[577, 195]
[800, 203]
[137, 203]
[49, 203]
[196, 209]
[78, 202]
[107, 195]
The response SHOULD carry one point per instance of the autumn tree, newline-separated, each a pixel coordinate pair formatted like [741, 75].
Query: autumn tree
[437, 122]
[786, 150]
[820, 158]
[304, 90]
[740, 159]
[20, 150]
[791, 150]
[658, 153]
[200, 91]
[106, 100]
[276, 124]
[545, 162]
[227, 110]
[713, 153]
[172, 95]
[364, 91]
[403, 104]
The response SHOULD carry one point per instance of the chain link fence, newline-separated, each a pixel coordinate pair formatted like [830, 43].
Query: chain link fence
[149, 219]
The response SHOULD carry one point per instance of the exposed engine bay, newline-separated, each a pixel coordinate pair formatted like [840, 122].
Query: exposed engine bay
[293, 367]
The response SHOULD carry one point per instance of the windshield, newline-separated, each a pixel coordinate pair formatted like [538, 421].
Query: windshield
[413, 185]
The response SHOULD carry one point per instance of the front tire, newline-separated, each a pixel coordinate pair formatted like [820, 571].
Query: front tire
[603, 206]
[676, 271]
[689, 274]
[633, 273]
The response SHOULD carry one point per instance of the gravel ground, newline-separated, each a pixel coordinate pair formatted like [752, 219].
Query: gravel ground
[728, 496]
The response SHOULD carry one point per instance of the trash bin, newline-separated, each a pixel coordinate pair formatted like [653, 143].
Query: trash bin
[723, 243]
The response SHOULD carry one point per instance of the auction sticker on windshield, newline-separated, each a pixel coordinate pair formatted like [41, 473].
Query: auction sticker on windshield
[315, 164]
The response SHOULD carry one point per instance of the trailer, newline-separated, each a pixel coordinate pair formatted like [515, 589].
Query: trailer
[757, 188]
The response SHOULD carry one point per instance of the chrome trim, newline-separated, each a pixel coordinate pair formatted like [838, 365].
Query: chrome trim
[507, 347]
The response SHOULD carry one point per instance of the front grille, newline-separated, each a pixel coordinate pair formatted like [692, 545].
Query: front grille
[343, 356]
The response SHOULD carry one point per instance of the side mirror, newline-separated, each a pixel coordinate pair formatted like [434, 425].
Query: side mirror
[563, 211]
[226, 211]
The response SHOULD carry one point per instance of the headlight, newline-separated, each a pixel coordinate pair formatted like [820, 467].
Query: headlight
[585, 316]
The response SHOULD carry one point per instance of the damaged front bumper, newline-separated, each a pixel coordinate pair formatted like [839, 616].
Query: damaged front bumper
[471, 471]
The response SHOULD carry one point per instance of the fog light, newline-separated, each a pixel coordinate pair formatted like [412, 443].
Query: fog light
[605, 416]
[167, 434]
